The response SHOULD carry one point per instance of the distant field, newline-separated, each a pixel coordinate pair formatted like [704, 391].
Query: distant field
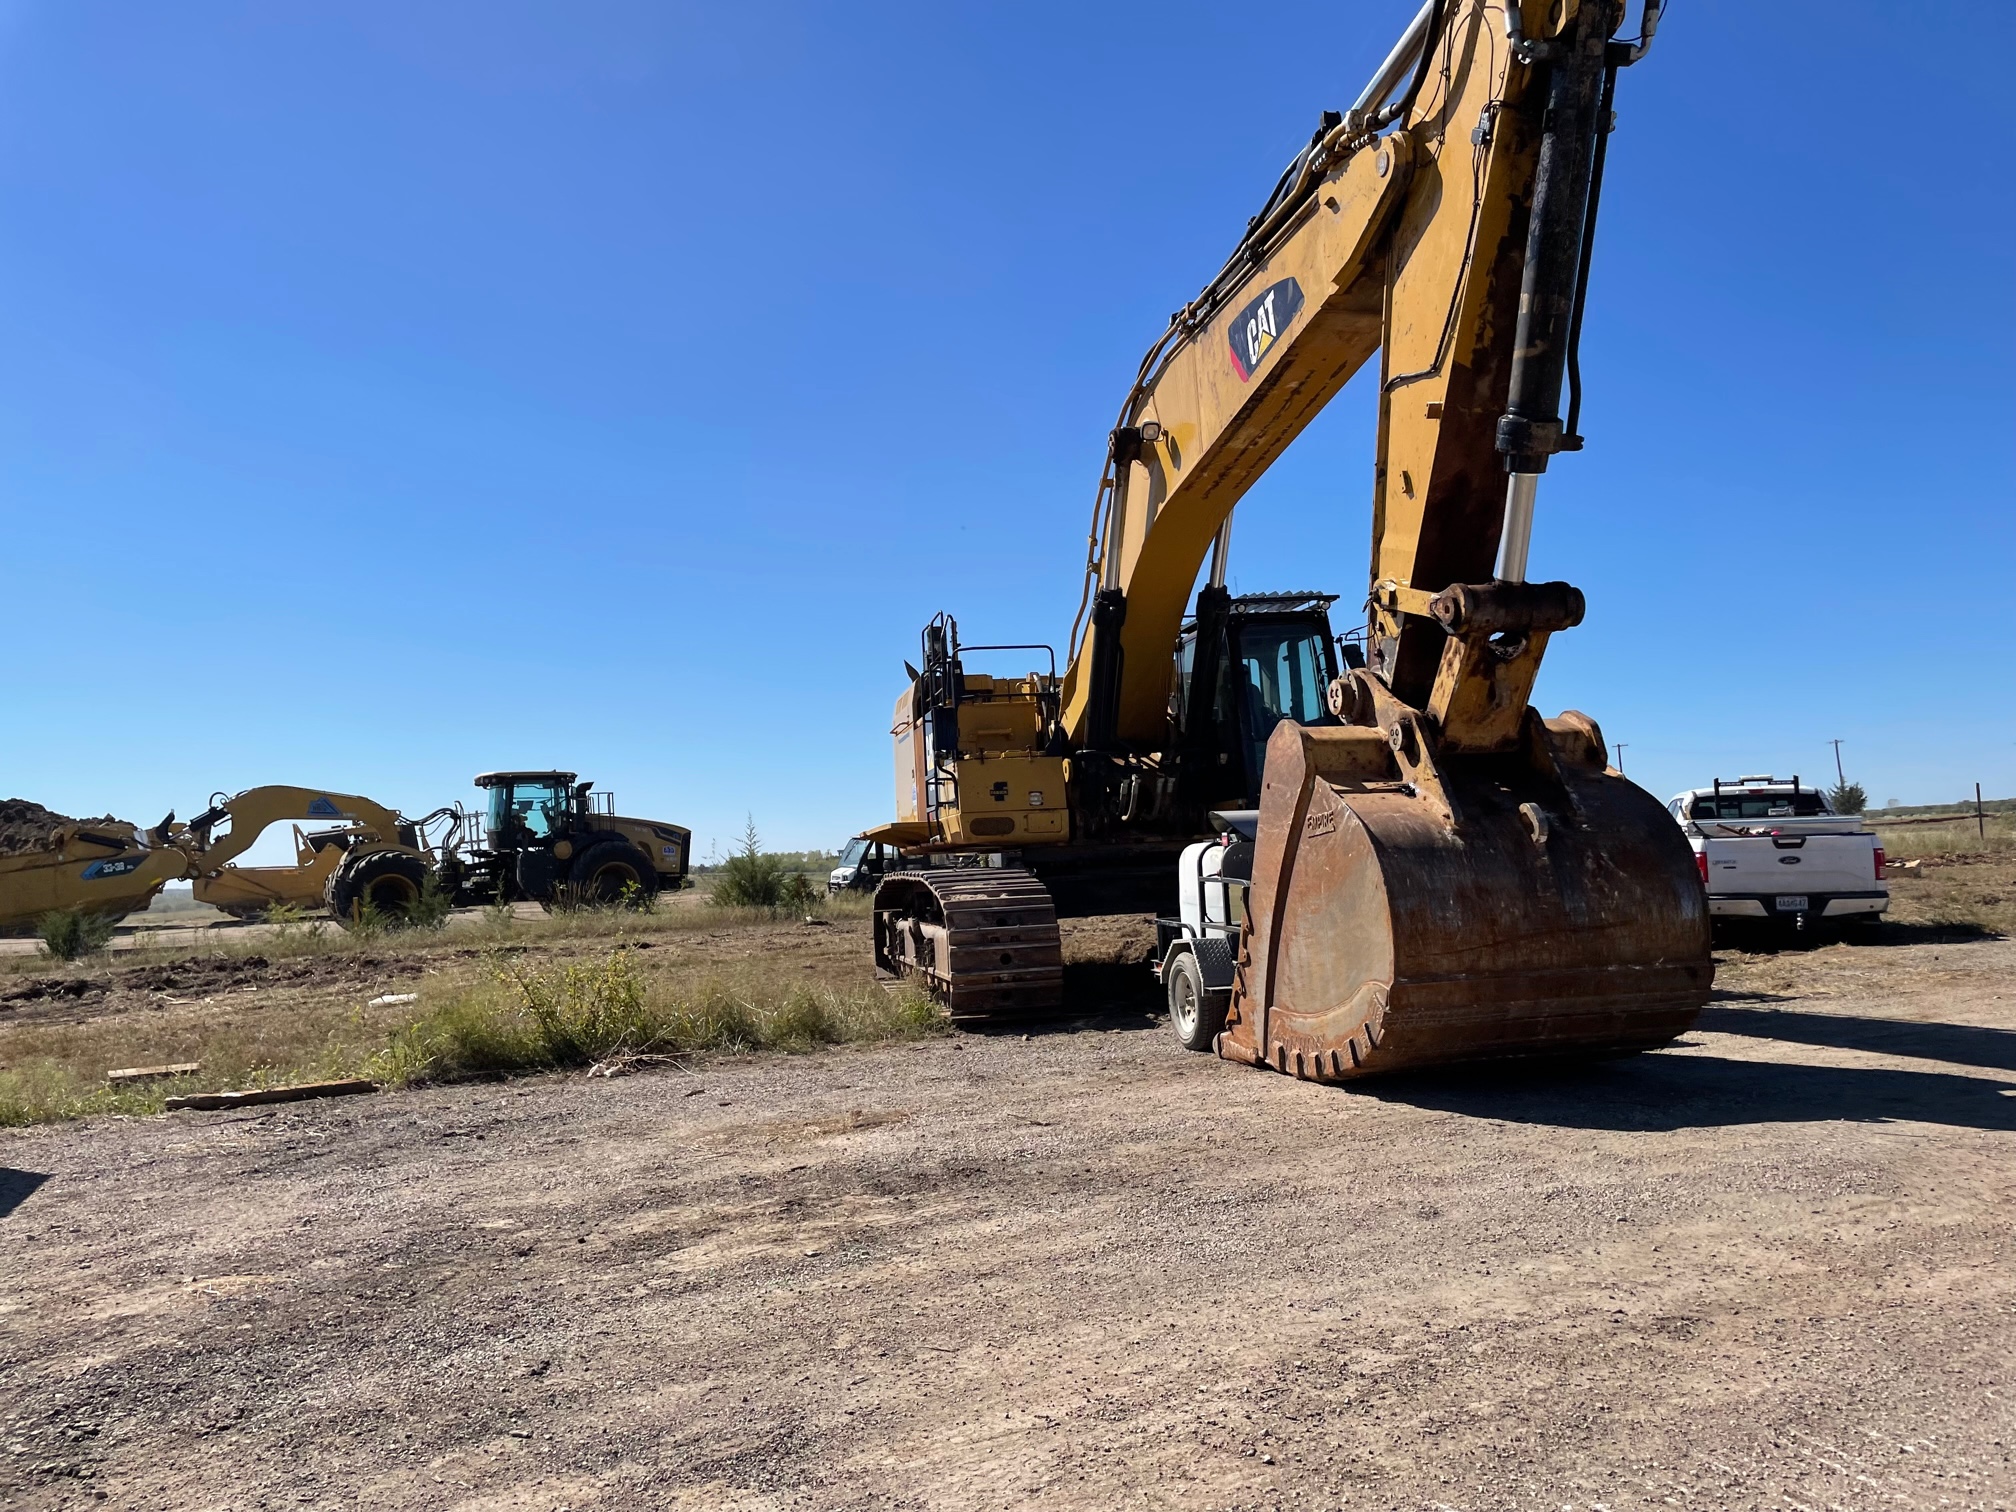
[178, 900]
[1907, 835]
[1905, 811]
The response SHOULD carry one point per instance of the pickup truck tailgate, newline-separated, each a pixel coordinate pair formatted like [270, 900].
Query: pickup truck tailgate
[1790, 863]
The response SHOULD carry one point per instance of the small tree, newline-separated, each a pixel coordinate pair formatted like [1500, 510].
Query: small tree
[1847, 797]
[750, 879]
[68, 933]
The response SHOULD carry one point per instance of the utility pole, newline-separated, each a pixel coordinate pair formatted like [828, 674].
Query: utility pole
[1620, 757]
[1839, 776]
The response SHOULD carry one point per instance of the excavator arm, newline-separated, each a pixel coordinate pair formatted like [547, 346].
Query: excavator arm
[1453, 249]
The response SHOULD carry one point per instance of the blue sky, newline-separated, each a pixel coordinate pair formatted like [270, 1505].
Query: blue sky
[394, 391]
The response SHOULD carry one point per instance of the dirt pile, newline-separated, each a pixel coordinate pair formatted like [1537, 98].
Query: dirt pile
[26, 826]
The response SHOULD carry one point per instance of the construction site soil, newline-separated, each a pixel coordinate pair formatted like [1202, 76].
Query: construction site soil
[26, 826]
[1063, 1264]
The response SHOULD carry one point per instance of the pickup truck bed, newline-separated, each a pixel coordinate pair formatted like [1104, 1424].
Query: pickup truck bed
[1794, 869]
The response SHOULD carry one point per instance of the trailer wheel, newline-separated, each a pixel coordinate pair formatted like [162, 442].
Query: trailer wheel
[389, 882]
[1195, 1013]
[613, 871]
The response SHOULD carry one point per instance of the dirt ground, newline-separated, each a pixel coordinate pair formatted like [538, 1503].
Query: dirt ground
[1077, 1267]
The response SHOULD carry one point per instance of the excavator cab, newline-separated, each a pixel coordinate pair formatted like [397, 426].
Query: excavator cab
[1243, 665]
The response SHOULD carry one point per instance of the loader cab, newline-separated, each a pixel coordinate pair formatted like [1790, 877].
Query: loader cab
[528, 808]
[1242, 666]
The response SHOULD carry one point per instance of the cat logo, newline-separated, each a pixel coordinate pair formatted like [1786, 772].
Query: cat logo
[1256, 328]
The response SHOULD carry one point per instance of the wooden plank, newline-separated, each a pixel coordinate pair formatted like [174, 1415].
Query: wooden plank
[208, 1101]
[153, 1073]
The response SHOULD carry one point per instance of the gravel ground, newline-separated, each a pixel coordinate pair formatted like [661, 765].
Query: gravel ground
[1768, 1267]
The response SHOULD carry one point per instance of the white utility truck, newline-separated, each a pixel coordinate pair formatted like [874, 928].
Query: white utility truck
[1196, 951]
[1773, 852]
[863, 864]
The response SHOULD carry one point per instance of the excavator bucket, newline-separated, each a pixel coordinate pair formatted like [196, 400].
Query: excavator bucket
[1410, 909]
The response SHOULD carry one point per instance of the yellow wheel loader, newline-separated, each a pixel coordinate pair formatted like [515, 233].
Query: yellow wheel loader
[1437, 871]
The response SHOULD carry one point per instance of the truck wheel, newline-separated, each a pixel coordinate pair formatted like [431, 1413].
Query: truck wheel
[388, 881]
[1195, 1013]
[614, 870]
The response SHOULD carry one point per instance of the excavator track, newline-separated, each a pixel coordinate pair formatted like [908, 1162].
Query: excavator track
[981, 941]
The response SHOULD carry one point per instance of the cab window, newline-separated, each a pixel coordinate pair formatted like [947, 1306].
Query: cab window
[1284, 672]
[537, 809]
[1731, 804]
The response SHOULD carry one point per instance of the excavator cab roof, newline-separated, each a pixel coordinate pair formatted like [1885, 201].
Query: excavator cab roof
[502, 779]
[1282, 603]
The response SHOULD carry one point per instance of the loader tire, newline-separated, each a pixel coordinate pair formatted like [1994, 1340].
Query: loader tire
[1195, 1012]
[613, 870]
[388, 881]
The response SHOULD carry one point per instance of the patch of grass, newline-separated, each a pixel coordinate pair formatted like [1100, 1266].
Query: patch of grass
[1967, 897]
[58, 1072]
[528, 1020]
[290, 922]
[1962, 837]
[68, 933]
[514, 1018]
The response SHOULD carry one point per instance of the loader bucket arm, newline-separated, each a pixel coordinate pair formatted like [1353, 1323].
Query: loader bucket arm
[255, 810]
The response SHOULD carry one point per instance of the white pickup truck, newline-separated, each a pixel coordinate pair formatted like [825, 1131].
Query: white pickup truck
[1773, 851]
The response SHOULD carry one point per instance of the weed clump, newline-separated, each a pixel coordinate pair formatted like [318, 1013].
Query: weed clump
[591, 1013]
[68, 933]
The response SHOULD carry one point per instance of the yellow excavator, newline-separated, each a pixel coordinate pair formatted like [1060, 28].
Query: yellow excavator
[1432, 870]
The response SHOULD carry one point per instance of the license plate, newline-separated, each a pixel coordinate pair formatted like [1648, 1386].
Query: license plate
[1792, 903]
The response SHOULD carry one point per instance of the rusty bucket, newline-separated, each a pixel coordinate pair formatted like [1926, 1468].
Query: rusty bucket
[1410, 909]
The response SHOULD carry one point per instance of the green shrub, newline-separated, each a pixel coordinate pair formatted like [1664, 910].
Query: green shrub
[68, 933]
[432, 908]
[1847, 798]
[749, 879]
